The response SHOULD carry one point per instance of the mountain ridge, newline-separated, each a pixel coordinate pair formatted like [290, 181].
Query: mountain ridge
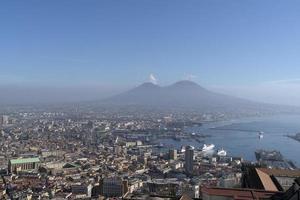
[180, 94]
[189, 96]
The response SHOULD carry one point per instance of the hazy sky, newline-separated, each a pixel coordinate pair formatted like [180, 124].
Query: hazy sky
[249, 48]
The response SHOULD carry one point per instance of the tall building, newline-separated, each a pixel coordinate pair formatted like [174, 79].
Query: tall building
[173, 154]
[4, 120]
[189, 159]
[118, 150]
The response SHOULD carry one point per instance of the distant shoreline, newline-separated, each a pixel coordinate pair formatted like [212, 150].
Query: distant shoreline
[294, 137]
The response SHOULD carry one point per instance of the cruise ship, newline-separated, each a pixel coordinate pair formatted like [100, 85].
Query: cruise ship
[221, 152]
[208, 147]
[182, 149]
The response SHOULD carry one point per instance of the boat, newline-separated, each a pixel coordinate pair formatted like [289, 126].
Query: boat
[260, 135]
[208, 147]
[182, 150]
[221, 152]
[161, 145]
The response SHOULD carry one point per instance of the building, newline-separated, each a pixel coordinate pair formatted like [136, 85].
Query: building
[135, 184]
[189, 159]
[191, 190]
[118, 150]
[54, 153]
[113, 187]
[4, 120]
[231, 180]
[164, 187]
[173, 154]
[269, 179]
[233, 193]
[284, 178]
[81, 191]
[293, 193]
[23, 164]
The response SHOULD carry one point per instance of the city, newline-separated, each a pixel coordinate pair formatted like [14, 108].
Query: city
[58, 155]
[150, 100]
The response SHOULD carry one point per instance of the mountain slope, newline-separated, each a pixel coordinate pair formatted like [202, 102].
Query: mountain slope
[183, 94]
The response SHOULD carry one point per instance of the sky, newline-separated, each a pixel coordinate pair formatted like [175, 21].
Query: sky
[64, 50]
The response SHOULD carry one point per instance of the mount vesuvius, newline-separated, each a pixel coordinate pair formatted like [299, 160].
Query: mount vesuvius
[186, 95]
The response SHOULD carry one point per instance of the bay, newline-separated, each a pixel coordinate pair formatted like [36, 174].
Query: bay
[240, 137]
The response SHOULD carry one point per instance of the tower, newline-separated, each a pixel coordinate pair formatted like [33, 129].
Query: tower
[173, 154]
[189, 159]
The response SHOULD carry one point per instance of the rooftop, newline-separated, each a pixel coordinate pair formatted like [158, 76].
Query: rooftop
[247, 194]
[24, 160]
[266, 181]
[281, 172]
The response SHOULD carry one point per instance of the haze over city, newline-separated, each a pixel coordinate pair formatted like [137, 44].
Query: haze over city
[149, 100]
[71, 51]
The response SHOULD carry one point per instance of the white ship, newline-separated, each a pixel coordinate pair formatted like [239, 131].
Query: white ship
[182, 150]
[222, 152]
[208, 147]
[161, 145]
[261, 135]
